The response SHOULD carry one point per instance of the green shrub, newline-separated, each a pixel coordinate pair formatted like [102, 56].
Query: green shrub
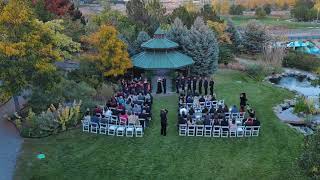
[309, 160]
[225, 54]
[260, 12]
[256, 71]
[300, 60]
[305, 106]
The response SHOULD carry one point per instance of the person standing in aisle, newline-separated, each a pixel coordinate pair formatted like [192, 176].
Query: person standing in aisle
[177, 85]
[164, 121]
[183, 84]
[200, 85]
[194, 85]
[164, 84]
[211, 84]
[189, 84]
[205, 85]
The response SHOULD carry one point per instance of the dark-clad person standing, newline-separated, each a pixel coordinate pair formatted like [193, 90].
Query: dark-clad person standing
[200, 85]
[183, 84]
[164, 121]
[164, 85]
[211, 84]
[194, 85]
[159, 86]
[243, 101]
[205, 85]
[189, 84]
[177, 85]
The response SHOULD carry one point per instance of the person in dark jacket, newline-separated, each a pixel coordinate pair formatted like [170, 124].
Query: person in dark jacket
[200, 85]
[177, 85]
[243, 101]
[189, 84]
[194, 85]
[163, 117]
[205, 85]
[164, 85]
[183, 84]
[211, 84]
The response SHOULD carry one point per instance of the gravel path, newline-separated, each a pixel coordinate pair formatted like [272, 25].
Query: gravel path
[10, 143]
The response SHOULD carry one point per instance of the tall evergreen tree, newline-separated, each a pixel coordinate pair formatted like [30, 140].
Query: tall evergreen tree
[177, 32]
[141, 38]
[235, 35]
[202, 45]
[255, 36]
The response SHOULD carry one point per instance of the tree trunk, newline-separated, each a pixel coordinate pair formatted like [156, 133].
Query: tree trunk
[16, 103]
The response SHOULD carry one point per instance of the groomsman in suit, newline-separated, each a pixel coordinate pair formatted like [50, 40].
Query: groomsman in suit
[194, 85]
[177, 85]
[205, 85]
[200, 85]
[211, 84]
[183, 84]
[189, 84]
[164, 85]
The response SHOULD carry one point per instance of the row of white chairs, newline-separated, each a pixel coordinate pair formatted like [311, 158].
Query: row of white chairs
[112, 129]
[207, 104]
[218, 131]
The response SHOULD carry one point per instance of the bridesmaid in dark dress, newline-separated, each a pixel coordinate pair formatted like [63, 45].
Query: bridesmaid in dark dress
[159, 86]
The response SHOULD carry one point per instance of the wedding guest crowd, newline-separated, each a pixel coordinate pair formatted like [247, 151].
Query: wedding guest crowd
[132, 104]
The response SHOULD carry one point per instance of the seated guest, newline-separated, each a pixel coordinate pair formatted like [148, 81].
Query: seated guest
[189, 99]
[202, 99]
[182, 120]
[140, 97]
[225, 109]
[133, 119]
[148, 97]
[121, 100]
[207, 120]
[183, 110]
[256, 122]
[216, 122]
[249, 122]
[251, 112]
[107, 113]
[220, 110]
[184, 115]
[97, 110]
[95, 119]
[143, 115]
[205, 110]
[224, 122]
[212, 110]
[120, 107]
[128, 106]
[136, 109]
[189, 120]
[232, 125]
[234, 109]
[87, 116]
[147, 108]
[124, 116]
[213, 98]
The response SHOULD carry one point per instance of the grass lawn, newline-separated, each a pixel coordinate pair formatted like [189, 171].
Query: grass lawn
[274, 21]
[77, 155]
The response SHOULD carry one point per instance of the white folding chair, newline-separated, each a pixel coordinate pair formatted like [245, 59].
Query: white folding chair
[247, 131]
[241, 115]
[139, 131]
[202, 105]
[94, 127]
[199, 130]
[122, 127]
[234, 115]
[224, 131]
[207, 131]
[216, 131]
[232, 132]
[240, 131]
[221, 102]
[227, 115]
[85, 126]
[255, 131]
[191, 130]
[114, 119]
[183, 129]
[103, 128]
[112, 129]
[130, 130]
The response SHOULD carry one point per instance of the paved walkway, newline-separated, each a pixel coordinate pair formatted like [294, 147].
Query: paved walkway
[10, 142]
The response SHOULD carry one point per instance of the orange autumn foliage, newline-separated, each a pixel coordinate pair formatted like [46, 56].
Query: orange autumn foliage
[109, 52]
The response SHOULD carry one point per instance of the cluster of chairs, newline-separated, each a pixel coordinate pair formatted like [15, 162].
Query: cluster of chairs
[218, 131]
[113, 126]
[202, 105]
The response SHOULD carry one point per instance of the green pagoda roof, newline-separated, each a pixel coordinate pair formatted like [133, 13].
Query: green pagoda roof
[161, 60]
[159, 31]
[159, 43]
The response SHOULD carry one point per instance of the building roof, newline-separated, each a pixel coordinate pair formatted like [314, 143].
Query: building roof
[161, 60]
[159, 43]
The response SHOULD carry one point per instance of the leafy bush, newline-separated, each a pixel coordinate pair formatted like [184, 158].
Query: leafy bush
[304, 105]
[309, 160]
[4, 96]
[267, 8]
[255, 70]
[104, 92]
[236, 9]
[260, 12]
[225, 54]
[303, 10]
[300, 60]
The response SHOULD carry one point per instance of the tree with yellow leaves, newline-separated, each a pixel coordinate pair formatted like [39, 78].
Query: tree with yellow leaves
[28, 47]
[108, 51]
[221, 6]
[220, 29]
[317, 7]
